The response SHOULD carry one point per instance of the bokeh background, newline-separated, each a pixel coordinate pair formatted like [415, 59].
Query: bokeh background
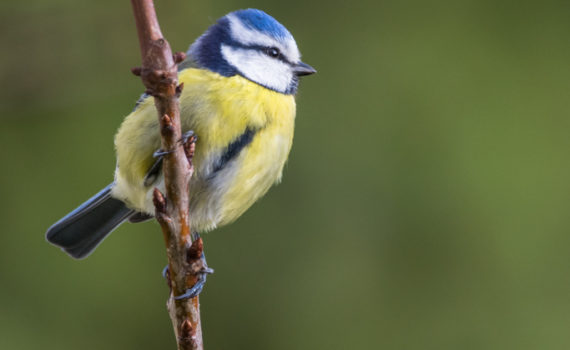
[426, 203]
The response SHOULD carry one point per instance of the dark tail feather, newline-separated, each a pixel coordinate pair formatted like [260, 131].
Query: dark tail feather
[81, 231]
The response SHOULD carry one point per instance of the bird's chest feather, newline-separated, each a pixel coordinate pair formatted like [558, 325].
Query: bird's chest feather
[243, 149]
[244, 136]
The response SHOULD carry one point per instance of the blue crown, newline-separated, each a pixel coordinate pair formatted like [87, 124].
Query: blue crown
[262, 22]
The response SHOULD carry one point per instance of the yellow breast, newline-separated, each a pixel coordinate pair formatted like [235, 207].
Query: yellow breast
[219, 110]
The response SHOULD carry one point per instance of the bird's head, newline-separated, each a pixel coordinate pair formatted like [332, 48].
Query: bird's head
[254, 45]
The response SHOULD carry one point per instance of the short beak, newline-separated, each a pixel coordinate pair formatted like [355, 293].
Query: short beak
[301, 69]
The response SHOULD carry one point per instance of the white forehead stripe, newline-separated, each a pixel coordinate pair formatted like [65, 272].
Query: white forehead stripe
[247, 36]
[258, 67]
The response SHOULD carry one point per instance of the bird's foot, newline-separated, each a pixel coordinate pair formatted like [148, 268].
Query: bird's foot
[196, 289]
[188, 136]
[197, 266]
[198, 286]
[187, 139]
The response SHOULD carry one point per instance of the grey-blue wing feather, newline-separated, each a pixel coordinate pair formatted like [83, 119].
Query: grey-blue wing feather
[81, 231]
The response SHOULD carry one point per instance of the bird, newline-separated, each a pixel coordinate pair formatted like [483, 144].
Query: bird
[240, 80]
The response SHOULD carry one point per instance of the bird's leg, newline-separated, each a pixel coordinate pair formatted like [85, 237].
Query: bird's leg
[152, 173]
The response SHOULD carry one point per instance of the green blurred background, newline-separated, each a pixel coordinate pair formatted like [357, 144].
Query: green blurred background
[425, 204]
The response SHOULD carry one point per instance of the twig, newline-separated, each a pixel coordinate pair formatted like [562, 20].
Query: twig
[159, 76]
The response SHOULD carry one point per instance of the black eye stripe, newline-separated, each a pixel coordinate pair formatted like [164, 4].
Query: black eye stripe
[272, 52]
[265, 50]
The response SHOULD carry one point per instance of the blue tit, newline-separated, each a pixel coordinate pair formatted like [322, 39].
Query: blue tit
[240, 79]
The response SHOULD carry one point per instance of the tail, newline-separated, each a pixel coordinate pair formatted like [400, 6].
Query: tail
[81, 231]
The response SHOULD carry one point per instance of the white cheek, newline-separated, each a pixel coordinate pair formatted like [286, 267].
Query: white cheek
[260, 68]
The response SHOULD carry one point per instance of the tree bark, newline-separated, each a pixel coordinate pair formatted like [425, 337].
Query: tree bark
[160, 77]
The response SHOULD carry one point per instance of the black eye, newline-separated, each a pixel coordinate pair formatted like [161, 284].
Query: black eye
[273, 52]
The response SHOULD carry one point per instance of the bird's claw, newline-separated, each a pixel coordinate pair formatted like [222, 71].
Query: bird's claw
[161, 153]
[198, 286]
[201, 276]
[187, 136]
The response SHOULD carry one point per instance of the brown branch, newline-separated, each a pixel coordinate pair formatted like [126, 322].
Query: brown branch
[159, 76]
